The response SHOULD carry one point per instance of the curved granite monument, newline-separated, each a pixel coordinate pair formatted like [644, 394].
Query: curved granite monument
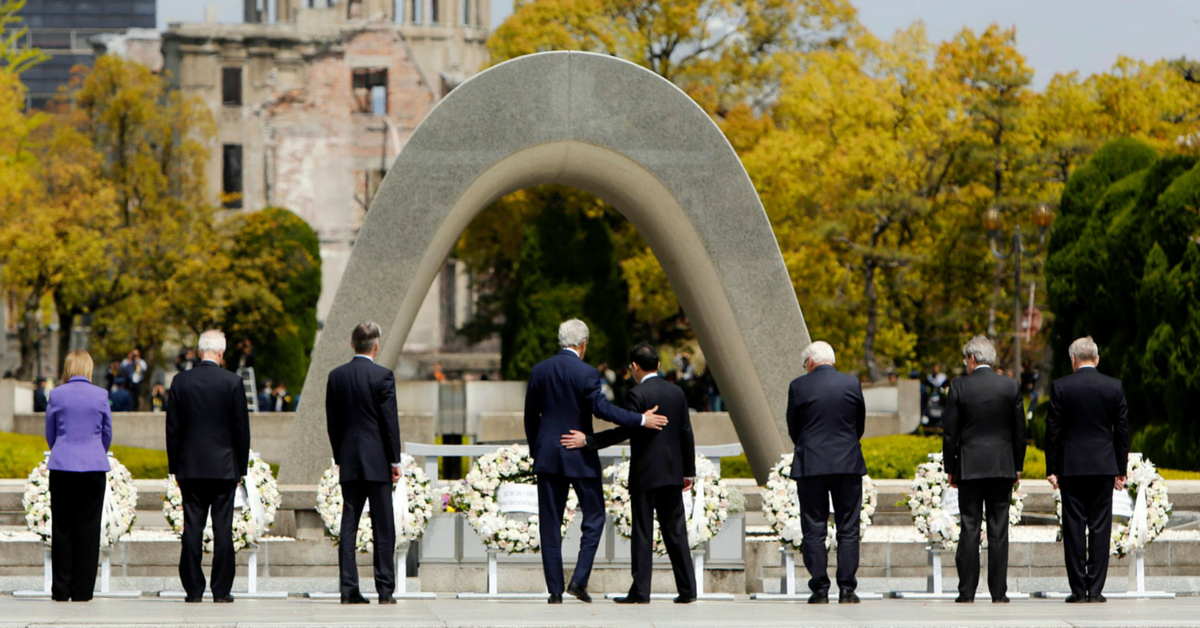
[618, 131]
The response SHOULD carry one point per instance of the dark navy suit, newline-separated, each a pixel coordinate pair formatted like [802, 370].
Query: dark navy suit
[563, 395]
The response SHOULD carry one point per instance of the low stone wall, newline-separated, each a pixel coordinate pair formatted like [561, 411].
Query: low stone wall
[268, 430]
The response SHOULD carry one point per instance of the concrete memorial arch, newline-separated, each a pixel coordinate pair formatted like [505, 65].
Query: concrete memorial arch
[618, 131]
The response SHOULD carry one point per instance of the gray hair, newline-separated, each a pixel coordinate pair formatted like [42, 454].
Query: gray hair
[1084, 350]
[820, 352]
[572, 333]
[211, 341]
[365, 337]
[981, 349]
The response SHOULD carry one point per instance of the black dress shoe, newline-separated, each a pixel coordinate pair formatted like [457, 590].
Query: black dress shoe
[847, 596]
[679, 599]
[555, 598]
[1076, 599]
[962, 599]
[355, 599]
[1097, 599]
[224, 599]
[387, 599]
[1003, 599]
[629, 599]
[579, 592]
[193, 600]
[819, 598]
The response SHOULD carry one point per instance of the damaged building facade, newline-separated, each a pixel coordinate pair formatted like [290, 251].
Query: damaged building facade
[313, 100]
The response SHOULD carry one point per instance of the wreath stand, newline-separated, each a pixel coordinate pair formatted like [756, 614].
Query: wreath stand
[493, 584]
[787, 583]
[401, 592]
[1137, 583]
[105, 590]
[251, 592]
[934, 584]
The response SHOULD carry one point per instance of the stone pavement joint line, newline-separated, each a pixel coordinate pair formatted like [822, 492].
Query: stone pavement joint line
[148, 612]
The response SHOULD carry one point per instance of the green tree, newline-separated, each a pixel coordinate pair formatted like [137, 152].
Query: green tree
[276, 250]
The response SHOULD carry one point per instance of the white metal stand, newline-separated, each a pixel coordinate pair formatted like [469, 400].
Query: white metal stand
[493, 585]
[698, 566]
[401, 592]
[106, 576]
[1137, 583]
[252, 592]
[934, 589]
[47, 578]
[787, 583]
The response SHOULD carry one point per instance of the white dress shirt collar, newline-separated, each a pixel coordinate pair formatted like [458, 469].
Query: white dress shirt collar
[571, 350]
[363, 355]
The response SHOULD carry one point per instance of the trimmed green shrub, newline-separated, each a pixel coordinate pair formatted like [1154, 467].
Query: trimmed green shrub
[20, 453]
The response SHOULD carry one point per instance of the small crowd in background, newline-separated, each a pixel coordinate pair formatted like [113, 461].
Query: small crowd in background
[125, 380]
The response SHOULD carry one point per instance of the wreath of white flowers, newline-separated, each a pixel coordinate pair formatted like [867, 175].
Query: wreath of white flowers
[781, 505]
[263, 498]
[118, 513]
[1143, 478]
[413, 509]
[476, 496]
[932, 521]
[710, 499]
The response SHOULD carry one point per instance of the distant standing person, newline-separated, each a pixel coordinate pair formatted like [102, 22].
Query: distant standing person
[984, 450]
[208, 451]
[39, 395]
[79, 432]
[826, 417]
[364, 431]
[134, 368]
[1087, 451]
[120, 399]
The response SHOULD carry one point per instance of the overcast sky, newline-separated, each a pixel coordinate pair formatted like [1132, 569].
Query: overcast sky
[1054, 35]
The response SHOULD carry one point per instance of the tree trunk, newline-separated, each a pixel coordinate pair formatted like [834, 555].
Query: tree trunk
[28, 336]
[872, 296]
[66, 322]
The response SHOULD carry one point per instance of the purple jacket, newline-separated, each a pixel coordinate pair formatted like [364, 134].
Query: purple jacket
[78, 427]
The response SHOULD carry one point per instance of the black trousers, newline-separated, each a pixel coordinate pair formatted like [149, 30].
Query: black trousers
[199, 497]
[76, 500]
[667, 501]
[1086, 512]
[974, 496]
[815, 492]
[552, 501]
[356, 494]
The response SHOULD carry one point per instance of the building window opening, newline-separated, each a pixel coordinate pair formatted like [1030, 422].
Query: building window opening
[417, 13]
[231, 176]
[231, 86]
[370, 92]
[433, 12]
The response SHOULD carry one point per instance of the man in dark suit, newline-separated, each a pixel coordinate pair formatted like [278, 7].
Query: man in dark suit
[984, 447]
[564, 393]
[1087, 450]
[208, 449]
[364, 430]
[826, 417]
[661, 467]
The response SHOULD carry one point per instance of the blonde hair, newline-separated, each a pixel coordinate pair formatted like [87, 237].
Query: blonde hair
[78, 364]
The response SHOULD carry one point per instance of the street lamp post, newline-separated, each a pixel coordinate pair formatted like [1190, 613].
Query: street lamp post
[993, 220]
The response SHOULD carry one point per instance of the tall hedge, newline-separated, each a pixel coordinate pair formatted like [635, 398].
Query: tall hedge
[1125, 269]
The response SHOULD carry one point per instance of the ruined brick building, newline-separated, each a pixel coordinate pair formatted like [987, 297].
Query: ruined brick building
[313, 100]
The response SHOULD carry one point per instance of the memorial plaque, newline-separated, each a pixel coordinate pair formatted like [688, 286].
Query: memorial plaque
[1122, 504]
[517, 498]
[950, 501]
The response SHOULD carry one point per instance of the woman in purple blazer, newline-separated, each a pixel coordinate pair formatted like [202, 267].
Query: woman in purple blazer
[79, 431]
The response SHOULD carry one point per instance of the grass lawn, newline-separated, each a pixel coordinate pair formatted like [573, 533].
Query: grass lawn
[891, 457]
[20, 453]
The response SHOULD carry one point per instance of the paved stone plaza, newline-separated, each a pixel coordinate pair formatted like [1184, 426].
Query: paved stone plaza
[449, 612]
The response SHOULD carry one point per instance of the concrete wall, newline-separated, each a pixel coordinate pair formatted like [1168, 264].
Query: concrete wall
[268, 430]
[16, 397]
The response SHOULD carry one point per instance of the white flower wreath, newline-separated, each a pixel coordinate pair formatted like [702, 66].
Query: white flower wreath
[251, 522]
[117, 515]
[413, 508]
[476, 496]
[710, 499]
[935, 523]
[781, 505]
[1148, 490]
